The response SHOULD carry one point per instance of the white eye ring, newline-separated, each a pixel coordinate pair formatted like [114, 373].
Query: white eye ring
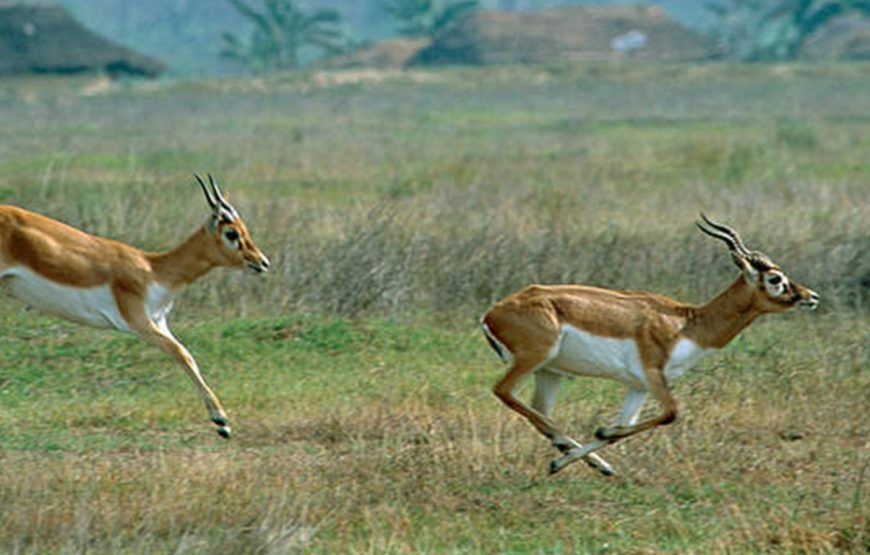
[776, 284]
[232, 238]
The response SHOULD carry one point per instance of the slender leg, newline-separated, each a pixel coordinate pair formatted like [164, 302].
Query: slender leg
[521, 367]
[634, 399]
[546, 386]
[157, 333]
[627, 426]
[574, 455]
[662, 394]
[540, 340]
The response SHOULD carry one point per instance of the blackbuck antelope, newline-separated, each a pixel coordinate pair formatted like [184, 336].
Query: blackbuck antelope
[107, 284]
[643, 340]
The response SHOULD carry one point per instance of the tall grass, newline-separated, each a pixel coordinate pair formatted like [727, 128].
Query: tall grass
[399, 198]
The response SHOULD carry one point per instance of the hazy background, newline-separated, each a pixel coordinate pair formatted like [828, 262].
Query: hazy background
[185, 34]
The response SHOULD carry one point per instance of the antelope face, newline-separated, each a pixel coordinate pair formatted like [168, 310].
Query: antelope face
[238, 249]
[775, 292]
[234, 245]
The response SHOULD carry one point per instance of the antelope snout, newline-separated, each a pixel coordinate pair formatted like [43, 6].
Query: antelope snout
[259, 266]
[810, 301]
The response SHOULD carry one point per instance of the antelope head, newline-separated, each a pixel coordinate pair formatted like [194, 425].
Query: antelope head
[230, 235]
[774, 291]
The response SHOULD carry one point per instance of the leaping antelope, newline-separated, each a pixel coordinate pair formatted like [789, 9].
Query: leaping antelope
[643, 340]
[108, 284]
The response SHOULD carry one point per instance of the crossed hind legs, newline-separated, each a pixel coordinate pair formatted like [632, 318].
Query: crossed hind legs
[540, 416]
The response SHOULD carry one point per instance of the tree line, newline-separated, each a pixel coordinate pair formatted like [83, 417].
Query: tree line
[746, 30]
[282, 28]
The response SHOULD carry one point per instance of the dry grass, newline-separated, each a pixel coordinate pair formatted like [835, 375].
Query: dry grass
[376, 437]
[397, 197]
[447, 469]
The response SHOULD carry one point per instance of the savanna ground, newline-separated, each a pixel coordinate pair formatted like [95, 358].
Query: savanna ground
[395, 209]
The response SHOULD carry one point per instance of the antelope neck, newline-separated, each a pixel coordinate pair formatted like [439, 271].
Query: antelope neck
[185, 263]
[716, 323]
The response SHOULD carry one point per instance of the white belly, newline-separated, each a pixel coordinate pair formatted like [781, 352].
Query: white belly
[92, 306]
[584, 354]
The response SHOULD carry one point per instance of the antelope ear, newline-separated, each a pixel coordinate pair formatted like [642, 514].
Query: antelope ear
[213, 221]
[750, 273]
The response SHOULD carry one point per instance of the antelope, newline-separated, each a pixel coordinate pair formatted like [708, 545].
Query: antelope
[643, 340]
[108, 284]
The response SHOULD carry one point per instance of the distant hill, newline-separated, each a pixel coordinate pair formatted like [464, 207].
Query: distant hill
[186, 34]
[44, 38]
[578, 33]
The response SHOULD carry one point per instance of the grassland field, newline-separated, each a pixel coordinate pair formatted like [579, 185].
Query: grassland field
[396, 207]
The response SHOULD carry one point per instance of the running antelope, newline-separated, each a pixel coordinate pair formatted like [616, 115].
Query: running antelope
[644, 340]
[107, 284]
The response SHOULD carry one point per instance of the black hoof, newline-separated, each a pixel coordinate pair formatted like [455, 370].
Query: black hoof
[563, 447]
[224, 432]
[601, 433]
[606, 471]
[220, 421]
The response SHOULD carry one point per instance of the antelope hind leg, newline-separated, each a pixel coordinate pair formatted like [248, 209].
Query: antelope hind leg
[584, 452]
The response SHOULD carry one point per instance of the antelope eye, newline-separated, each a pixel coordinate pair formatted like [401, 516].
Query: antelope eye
[774, 280]
[231, 235]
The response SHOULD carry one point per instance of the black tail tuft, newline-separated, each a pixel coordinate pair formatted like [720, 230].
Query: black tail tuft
[496, 346]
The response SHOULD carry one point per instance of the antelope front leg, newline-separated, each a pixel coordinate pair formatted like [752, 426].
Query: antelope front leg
[627, 427]
[212, 403]
[577, 451]
[157, 333]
